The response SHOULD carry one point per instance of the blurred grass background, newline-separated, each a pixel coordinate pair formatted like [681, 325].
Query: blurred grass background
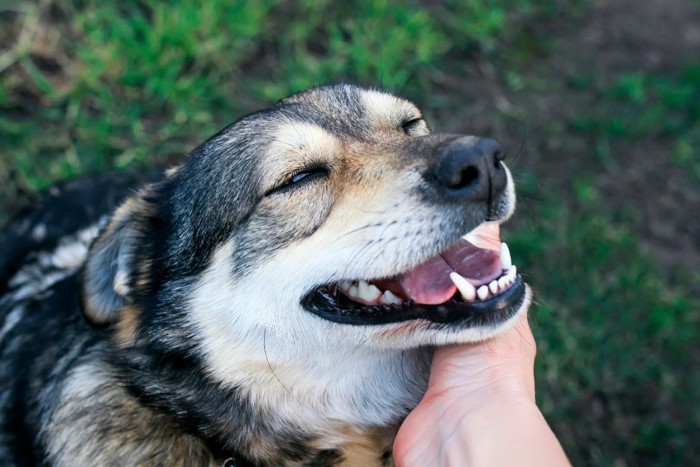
[597, 103]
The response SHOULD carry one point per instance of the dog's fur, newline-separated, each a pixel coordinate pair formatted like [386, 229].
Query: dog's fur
[196, 348]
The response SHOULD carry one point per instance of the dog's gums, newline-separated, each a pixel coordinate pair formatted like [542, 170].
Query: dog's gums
[464, 282]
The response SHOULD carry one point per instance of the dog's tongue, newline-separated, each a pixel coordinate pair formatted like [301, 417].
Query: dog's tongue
[477, 260]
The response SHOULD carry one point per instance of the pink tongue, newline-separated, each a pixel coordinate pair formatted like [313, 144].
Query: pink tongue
[430, 284]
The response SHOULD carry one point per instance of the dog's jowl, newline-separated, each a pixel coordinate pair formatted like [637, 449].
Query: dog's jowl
[273, 300]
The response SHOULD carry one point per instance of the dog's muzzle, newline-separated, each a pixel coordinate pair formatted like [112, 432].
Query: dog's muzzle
[465, 284]
[472, 282]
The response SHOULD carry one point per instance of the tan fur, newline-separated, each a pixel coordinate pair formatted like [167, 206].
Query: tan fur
[367, 448]
[114, 427]
[128, 210]
[127, 326]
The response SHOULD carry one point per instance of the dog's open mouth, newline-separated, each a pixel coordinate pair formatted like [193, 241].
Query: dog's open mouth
[476, 284]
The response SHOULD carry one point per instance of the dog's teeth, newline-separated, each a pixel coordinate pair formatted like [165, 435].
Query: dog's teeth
[345, 285]
[493, 287]
[503, 283]
[512, 272]
[389, 298]
[353, 291]
[465, 288]
[482, 292]
[374, 292]
[368, 292]
[506, 261]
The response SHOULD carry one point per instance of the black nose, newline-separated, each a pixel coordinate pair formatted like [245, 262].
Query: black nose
[470, 168]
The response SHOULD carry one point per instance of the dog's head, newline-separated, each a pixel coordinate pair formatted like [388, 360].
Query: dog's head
[334, 219]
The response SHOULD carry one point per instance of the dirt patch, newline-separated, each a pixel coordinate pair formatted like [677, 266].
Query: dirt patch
[662, 36]
[638, 181]
[651, 35]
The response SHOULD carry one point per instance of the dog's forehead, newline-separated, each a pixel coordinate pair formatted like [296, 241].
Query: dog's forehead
[352, 106]
[302, 140]
[385, 108]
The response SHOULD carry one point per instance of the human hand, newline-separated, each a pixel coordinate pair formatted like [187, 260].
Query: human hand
[480, 409]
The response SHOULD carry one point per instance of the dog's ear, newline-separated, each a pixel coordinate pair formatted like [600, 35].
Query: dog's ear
[108, 271]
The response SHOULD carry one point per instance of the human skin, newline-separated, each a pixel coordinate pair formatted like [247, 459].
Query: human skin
[479, 409]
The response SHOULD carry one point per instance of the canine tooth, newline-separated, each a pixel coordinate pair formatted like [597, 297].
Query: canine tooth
[512, 272]
[367, 291]
[389, 298]
[493, 287]
[482, 292]
[506, 261]
[465, 288]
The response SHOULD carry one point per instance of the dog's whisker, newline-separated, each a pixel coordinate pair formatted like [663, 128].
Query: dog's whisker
[385, 251]
[358, 346]
[364, 227]
[359, 250]
[370, 211]
[523, 139]
[269, 365]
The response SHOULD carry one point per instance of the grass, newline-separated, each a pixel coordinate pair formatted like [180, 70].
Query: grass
[115, 85]
[96, 86]
[639, 105]
[614, 337]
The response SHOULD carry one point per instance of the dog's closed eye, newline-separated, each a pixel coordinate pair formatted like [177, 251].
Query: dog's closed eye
[414, 127]
[299, 178]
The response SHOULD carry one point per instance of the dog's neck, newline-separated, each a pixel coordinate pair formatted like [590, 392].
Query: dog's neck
[347, 406]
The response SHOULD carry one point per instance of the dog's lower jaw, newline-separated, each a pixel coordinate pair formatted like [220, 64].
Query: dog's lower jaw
[439, 336]
[336, 387]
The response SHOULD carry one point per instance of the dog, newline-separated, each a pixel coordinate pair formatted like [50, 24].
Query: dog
[273, 300]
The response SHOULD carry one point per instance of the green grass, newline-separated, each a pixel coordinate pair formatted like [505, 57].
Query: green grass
[131, 82]
[95, 86]
[642, 105]
[613, 336]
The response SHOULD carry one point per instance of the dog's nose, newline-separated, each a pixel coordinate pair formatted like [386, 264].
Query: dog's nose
[470, 168]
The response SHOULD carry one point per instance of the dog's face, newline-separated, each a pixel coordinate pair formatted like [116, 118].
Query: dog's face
[332, 222]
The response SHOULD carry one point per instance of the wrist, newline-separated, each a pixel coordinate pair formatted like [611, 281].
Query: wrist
[453, 408]
[470, 389]
[510, 431]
